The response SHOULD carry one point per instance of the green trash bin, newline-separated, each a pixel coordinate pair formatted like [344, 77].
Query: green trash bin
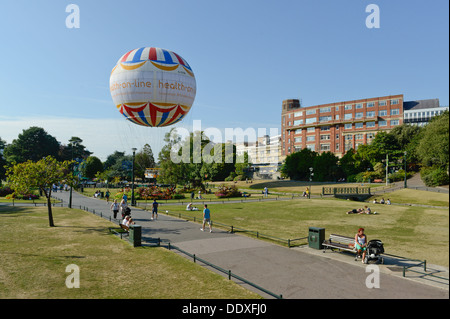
[135, 236]
[316, 237]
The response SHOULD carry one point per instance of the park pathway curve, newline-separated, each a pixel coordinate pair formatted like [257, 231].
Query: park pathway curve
[294, 273]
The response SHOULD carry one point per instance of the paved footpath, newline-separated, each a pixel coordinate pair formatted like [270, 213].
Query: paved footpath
[294, 273]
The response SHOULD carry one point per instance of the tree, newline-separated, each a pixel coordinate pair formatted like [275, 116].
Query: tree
[2, 161]
[143, 159]
[297, 164]
[74, 150]
[42, 175]
[91, 167]
[433, 147]
[33, 144]
[326, 167]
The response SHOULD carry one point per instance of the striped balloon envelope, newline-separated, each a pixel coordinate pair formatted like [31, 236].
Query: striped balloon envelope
[152, 86]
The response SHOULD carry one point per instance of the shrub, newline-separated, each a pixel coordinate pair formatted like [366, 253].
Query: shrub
[434, 176]
[227, 191]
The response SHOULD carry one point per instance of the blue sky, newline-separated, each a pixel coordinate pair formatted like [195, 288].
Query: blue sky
[247, 56]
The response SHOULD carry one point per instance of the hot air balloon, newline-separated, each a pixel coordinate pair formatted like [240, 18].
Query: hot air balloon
[152, 86]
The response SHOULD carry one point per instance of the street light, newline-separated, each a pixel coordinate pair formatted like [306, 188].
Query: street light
[132, 178]
[311, 174]
[404, 160]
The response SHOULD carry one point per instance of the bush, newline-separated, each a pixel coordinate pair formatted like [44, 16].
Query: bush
[4, 191]
[228, 191]
[434, 176]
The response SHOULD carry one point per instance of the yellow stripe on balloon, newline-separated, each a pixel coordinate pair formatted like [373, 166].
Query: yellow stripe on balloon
[132, 66]
[163, 67]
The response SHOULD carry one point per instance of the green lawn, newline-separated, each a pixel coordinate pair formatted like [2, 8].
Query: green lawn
[34, 259]
[409, 231]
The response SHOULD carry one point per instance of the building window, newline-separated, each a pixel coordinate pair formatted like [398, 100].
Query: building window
[382, 113]
[348, 137]
[359, 125]
[298, 140]
[359, 136]
[395, 111]
[358, 106]
[395, 122]
[348, 126]
[359, 115]
[310, 129]
[348, 116]
[310, 138]
[297, 114]
[394, 101]
[324, 147]
[311, 147]
[311, 120]
[325, 128]
[337, 116]
[370, 124]
[298, 131]
[325, 118]
[348, 107]
[382, 103]
[324, 137]
[370, 114]
[325, 110]
[309, 112]
[370, 104]
[382, 123]
[337, 146]
[298, 122]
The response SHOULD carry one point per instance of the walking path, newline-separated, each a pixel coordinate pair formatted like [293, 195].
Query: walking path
[293, 273]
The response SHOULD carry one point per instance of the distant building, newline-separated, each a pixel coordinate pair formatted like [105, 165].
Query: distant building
[264, 155]
[420, 112]
[339, 126]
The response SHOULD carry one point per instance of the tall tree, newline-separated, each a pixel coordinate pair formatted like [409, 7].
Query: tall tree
[433, 148]
[32, 144]
[143, 159]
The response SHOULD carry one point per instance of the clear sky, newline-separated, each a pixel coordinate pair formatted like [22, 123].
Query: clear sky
[247, 55]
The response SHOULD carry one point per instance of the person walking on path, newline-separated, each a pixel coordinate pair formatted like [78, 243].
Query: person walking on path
[155, 209]
[206, 219]
[115, 208]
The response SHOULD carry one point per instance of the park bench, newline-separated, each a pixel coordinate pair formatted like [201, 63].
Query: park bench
[341, 243]
[123, 230]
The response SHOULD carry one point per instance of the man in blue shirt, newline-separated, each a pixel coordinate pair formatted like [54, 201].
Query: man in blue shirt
[206, 218]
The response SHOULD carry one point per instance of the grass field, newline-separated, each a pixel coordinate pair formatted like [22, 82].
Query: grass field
[414, 232]
[34, 258]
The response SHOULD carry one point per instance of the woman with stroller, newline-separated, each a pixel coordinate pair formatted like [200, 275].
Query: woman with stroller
[361, 243]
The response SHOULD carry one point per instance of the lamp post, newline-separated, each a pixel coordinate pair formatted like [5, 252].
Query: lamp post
[311, 174]
[132, 178]
[404, 160]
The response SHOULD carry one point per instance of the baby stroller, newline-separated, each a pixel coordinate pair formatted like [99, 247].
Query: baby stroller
[374, 249]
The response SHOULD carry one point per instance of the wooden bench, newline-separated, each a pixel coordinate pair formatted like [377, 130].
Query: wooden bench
[123, 230]
[340, 242]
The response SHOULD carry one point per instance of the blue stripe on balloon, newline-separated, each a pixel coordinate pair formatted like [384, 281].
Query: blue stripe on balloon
[143, 118]
[137, 55]
[167, 57]
[163, 118]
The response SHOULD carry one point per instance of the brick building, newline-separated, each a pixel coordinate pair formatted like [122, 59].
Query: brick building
[337, 127]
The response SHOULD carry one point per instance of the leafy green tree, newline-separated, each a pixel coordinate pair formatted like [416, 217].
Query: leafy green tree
[326, 167]
[23, 177]
[433, 147]
[143, 159]
[32, 144]
[2, 161]
[297, 164]
[91, 167]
